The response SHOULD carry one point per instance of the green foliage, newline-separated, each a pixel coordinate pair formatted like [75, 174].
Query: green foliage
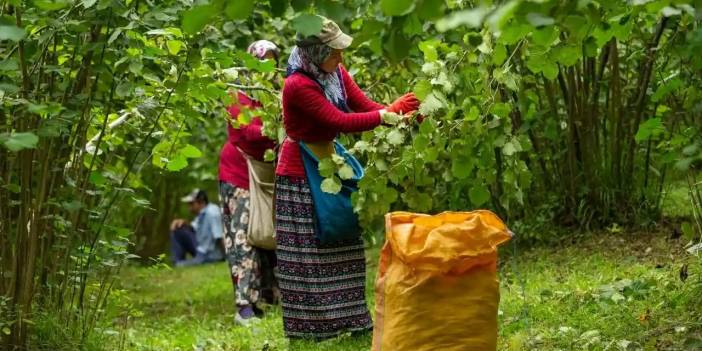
[572, 112]
[19, 141]
[307, 24]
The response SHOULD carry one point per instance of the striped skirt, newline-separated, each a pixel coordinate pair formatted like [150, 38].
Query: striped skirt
[323, 289]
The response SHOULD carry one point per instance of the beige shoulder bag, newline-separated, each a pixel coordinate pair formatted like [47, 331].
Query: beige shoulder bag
[261, 232]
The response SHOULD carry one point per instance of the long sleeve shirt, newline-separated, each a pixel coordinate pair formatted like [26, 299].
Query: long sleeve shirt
[309, 117]
[248, 138]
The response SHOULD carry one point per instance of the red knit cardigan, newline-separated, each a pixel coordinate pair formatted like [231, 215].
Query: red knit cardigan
[308, 116]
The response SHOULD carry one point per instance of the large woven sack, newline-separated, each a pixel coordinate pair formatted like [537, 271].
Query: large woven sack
[261, 230]
[437, 286]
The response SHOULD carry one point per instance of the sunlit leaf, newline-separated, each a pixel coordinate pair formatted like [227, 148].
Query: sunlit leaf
[395, 137]
[177, 163]
[346, 172]
[331, 185]
[190, 151]
[174, 46]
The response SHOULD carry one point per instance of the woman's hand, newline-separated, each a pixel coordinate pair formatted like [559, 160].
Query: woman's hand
[404, 104]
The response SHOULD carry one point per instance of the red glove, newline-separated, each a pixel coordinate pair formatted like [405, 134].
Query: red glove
[404, 104]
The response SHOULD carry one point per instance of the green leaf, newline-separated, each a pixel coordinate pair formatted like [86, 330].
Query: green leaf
[11, 33]
[395, 137]
[502, 15]
[473, 113]
[72, 206]
[9, 64]
[338, 159]
[326, 167]
[550, 70]
[89, 3]
[513, 33]
[190, 151]
[397, 46]
[420, 142]
[196, 18]
[499, 54]
[472, 18]
[479, 195]
[422, 89]
[300, 5]
[509, 149]
[650, 129]
[346, 172]
[97, 178]
[545, 36]
[538, 20]
[577, 27]
[396, 7]
[269, 155]
[684, 164]
[331, 185]
[8, 88]
[333, 10]
[431, 104]
[174, 46]
[428, 47]
[567, 55]
[430, 9]
[239, 9]
[6, 330]
[19, 141]
[51, 5]
[177, 163]
[278, 7]
[461, 167]
[307, 24]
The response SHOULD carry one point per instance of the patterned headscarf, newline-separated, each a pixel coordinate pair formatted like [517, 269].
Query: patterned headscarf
[306, 60]
[260, 48]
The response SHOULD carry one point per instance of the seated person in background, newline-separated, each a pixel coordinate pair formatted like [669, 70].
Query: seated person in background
[202, 238]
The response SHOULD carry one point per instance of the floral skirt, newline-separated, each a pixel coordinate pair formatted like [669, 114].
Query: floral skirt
[323, 289]
[252, 269]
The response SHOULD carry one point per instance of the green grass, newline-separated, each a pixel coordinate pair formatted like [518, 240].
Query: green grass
[600, 292]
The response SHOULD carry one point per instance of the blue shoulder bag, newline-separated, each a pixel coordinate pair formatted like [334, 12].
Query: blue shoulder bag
[335, 220]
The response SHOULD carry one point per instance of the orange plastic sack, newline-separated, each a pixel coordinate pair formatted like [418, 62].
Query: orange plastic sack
[437, 286]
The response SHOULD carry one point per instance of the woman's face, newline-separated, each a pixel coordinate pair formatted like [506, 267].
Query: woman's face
[332, 62]
[269, 56]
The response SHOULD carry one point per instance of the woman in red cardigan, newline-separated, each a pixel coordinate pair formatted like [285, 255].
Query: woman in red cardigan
[323, 288]
[252, 268]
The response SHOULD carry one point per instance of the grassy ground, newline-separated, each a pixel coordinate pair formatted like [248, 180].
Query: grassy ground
[612, 291]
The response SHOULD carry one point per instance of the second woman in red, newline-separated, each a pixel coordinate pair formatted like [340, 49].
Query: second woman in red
[252, 268]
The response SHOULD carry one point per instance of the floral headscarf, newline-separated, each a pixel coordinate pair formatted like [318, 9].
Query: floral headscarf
[260, 48]
[306, 60]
